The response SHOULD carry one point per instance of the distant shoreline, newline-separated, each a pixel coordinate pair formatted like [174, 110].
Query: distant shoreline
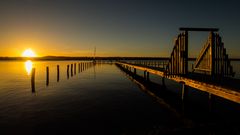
[64, 58]
[56, 58]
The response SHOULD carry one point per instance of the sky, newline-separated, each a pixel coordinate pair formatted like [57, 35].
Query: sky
[145, 28]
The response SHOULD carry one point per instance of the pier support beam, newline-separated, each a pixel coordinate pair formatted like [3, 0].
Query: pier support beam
[144, 74]
[211, 99]
[184, 91]
[147, 76]
[163, 82]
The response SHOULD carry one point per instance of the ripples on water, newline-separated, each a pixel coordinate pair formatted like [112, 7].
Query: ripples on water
[100, 100]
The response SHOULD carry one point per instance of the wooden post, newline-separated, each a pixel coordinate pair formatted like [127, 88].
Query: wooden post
[57, 73]
[71, 69]
[75, 68]
[78, 67]
[81, 67]
[67, 71]
[33, 80]
[47, 76]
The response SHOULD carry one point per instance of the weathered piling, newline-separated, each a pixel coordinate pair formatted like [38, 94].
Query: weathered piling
[74, 68]
[78, 67]
[71, 69]
[81, 64]
[57, 73]
[47, 76]
[33, 80]
[67, 71]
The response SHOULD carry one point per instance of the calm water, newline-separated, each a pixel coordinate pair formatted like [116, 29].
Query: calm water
[100, 100]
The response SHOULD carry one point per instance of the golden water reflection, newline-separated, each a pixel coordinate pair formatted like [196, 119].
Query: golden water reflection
[28, 66]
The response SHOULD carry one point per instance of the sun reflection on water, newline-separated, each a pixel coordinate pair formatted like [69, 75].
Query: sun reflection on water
[28, 66]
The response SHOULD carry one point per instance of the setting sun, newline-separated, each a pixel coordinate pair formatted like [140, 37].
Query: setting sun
[28, 53]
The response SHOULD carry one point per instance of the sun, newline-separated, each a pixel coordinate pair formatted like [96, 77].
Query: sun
[29, 53]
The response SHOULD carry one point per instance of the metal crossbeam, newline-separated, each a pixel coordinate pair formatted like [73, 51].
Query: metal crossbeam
[198, 29]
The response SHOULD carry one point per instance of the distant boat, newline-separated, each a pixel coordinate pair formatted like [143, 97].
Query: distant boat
[94, 55]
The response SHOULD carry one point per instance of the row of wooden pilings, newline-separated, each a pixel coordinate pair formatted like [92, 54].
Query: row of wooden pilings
[146, 76]
[71, 70]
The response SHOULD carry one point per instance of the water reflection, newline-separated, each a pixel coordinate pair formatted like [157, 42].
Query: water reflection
[28, 66]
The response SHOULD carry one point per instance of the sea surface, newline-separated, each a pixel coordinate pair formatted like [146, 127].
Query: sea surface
[102, 99]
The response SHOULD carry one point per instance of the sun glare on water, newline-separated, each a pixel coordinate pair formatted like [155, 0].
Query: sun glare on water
[28, 66]
[29, 53]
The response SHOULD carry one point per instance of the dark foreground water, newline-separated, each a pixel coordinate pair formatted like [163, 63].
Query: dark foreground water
[103, 100]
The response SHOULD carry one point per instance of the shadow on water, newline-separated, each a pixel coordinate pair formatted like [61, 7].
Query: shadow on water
[203, 113]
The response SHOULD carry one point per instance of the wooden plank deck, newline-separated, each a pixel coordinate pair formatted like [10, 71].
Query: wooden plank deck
[218, 90]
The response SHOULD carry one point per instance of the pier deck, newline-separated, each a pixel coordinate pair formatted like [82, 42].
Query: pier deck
[224, 90]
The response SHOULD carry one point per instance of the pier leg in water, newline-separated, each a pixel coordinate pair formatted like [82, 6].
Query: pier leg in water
[144, 75]
[163, 82]
[135, 72]
[211, 99]
[57, 73]
[184, 91]
[148, 76]
[67, 71]
[47, 76]
[33, 80]
[78, 67]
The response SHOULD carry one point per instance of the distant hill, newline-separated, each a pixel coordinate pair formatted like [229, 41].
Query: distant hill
[53, 58]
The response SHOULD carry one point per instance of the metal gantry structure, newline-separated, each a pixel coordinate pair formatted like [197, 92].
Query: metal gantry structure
[211, 73]
[212, 60]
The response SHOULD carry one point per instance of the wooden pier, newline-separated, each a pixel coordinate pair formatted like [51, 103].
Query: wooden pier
[211, 73]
